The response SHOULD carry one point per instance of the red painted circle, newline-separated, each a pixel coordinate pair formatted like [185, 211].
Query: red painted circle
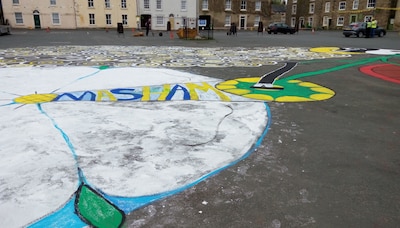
[387, 72]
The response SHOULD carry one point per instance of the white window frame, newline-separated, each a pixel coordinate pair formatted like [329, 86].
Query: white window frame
[15, 2]
[294, 9]
[123, 4]
[124, 19]
[204, 5]
[108, 19]
[258, 6]
[55, 18]
[311, 8]
[342, 5]
[146, 4]
[92, 19]
[371, 3]
[340, 21]
[19, 19]
[183, 5]
[310, 22]
[228, 5]
[228, 20]
[158, 5]
[355, 4]
[325, 21]
[160, 21]
[90, 3]
[53, 2]
[257, 19]
[294, 1]
[107, 4]
[327, 7]
[243, 5]
[293, 22]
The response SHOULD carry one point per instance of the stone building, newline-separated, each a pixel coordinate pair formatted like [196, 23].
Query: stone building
[334, 14]
[246, 14]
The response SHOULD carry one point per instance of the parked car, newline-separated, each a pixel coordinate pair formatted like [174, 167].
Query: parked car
[280, 27]
[358, 29]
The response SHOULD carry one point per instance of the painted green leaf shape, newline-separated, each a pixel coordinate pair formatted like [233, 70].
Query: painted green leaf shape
[95, 210]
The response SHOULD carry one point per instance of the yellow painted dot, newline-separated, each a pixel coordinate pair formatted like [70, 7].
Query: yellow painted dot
[292, 99]
[307, 84]
[250, 80]
[320, 97]
[294, 81]
[323, 90]
[35, 98]
[225, 87]
[229, 82]
[262, 97]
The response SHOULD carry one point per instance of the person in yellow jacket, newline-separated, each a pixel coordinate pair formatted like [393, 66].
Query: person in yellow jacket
[374, 24]
[368, 28]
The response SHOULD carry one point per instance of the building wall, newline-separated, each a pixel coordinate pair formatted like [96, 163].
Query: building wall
[336, 18]
[244, 19]
[170, 11]
[42, 11]
[99, 10]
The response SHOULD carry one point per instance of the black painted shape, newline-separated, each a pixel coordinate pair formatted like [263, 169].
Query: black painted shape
[267, 80]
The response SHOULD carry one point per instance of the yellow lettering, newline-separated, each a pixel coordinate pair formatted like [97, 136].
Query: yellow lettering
[105, 95]
[205, 87]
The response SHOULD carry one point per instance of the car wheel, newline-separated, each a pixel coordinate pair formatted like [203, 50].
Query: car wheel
[269, 32]
[380, 34]
[275, 32]
[347, 35]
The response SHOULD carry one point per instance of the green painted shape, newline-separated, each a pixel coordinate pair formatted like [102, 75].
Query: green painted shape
[97, 211]
[103, 67]
[290, 89]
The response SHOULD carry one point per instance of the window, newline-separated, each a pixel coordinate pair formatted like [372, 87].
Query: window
[327, 7]
[90, 3]
[256, 20]
[53, 2]
[368, 17]
[107, 3]
[124, 19]
[294, 9]
[228, 20]
[15, 2]
[108, 19]
[310, 22]
[293, 22]
[146, 4]
[340, 21]
[158, 4]
[258, 6]
[294, 1]
[204, 5]
[243, 5]
[371, 4]
[91, 19]
[56, 18]
[228, 6]
[325, 21]
[311, 8]
[160, 20]
[342, 5]
[183, 5]
[355, 4]
[123, 4]
[18, 18]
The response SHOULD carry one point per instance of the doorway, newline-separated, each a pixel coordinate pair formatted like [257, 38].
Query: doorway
[36, 19]
[243, 22]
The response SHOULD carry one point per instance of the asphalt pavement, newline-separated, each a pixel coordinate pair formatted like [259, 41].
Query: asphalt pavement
[332, 163]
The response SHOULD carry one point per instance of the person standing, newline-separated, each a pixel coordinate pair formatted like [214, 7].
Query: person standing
[374, 25]
[148, 26]
[368, 28]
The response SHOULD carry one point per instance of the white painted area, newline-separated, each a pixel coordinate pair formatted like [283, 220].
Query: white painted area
[384, 52]
[123, 148]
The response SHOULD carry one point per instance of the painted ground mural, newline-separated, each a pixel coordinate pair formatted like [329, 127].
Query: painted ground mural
[90, 134]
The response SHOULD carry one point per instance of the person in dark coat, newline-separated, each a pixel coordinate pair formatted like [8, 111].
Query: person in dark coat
[148, 26]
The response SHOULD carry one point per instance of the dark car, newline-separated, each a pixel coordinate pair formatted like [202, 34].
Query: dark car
[358, 29]
[280, 27]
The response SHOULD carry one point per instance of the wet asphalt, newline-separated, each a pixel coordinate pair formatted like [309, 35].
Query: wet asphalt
[332, 163]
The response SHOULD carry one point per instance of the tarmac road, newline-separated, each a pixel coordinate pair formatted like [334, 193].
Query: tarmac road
[332, 163]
